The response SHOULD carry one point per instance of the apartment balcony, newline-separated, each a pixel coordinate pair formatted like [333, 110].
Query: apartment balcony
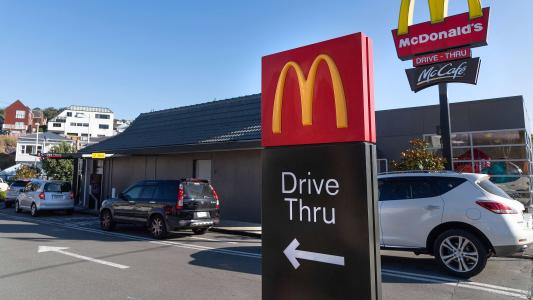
[59, 120]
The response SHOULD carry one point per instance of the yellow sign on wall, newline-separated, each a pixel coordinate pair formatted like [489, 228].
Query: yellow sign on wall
[97, 155]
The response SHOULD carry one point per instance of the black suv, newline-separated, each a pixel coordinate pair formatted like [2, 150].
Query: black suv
[163, 206]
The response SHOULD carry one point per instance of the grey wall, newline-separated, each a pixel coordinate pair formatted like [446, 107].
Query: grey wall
[397, 126]
[236, 176]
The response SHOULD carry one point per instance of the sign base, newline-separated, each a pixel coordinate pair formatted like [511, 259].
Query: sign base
[320, 225]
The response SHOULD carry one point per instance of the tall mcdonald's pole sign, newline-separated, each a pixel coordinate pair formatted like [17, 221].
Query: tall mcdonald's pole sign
[319, 198]
[441, 52]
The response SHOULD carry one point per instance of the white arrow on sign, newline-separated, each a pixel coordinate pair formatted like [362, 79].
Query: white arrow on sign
[61, 250]
[293, 255]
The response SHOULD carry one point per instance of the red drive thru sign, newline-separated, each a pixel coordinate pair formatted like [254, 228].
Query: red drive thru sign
[456, 31]
[319, 93]
[435, 58]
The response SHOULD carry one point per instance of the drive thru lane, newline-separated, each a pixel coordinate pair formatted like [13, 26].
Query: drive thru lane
[217, 266]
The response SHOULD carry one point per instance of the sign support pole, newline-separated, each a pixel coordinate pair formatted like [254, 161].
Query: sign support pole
[445, 127]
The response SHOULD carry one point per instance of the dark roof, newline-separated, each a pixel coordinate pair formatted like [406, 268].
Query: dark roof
[44, 136]
[229, 123]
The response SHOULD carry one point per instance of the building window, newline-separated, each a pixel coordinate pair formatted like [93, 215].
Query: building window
[20, 114]
[56, 125]
[103, 126]
[505, 155]
[72, 124]
[102, 116]
[30, 149]
[69, 114]
[20, 125]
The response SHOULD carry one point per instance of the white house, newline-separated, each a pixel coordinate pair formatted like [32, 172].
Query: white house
[35, 143]
[83, 122]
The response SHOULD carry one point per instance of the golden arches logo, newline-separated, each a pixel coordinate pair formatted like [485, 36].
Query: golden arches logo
[438, 10]
[307, 87]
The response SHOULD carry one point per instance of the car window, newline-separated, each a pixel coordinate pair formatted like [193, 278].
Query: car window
[197, 189]
[19, 184]
[147, 193]
[57, 187]
[167, 191]
[394, 189]
[490, 187]
[33, 187]
[446, 184]
[423, 188]
[133, 193]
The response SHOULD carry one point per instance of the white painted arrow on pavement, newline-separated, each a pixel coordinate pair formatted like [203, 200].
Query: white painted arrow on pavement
[61, 250]
[293, 255]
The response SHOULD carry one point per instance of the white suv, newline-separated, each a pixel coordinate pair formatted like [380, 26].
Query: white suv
[461, 219]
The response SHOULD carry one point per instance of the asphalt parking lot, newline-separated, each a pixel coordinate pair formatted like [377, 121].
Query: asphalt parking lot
[56, 256]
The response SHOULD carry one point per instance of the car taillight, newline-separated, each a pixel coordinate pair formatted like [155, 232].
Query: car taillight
[496, 207]
[181, 194]
[42, 196]
[215, 195]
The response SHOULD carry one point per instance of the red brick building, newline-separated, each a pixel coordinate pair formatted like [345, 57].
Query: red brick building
[18, 118]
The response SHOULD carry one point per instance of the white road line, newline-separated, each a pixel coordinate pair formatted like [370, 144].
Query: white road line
[61, 250]
[212, 240]
[500, 290]
[137, 238]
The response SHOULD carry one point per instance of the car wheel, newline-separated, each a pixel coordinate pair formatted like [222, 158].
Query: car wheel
[199, 230]
[106, 221]
[157, 227]
[460, 253]
[33, 211]
[69, 211]
[17, 207]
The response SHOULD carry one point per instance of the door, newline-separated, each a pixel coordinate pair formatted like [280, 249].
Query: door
[410, 207]
[30, 193]
[123, 207]
[202, 169]
[146, 201]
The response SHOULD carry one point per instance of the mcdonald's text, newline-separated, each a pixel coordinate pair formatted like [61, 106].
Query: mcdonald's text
[455, 31]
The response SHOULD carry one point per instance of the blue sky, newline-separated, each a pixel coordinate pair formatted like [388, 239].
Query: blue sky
[138, 56]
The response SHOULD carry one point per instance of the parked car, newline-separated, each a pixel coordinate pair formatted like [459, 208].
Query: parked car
[41, 195]
[14, 190]
[163, 206]
[3, 185]
[460, 219]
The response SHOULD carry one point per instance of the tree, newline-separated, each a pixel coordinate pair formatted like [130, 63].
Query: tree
[51, 112]
[418, 157]
[60, 169]
[27, 172]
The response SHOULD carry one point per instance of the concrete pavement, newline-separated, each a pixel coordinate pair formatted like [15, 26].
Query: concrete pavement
[211, 266]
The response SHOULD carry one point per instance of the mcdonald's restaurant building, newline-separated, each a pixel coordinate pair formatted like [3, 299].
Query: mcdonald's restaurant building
[221, 141]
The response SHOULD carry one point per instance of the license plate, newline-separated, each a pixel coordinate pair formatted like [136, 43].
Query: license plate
[202, 214]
